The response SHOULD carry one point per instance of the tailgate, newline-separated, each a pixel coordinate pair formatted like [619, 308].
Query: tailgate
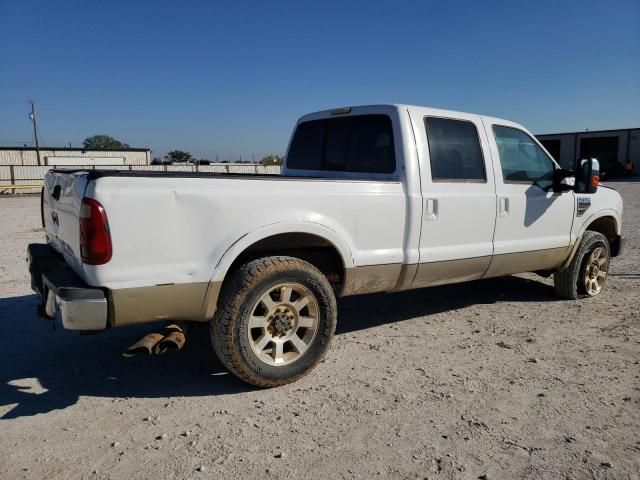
[61, 201]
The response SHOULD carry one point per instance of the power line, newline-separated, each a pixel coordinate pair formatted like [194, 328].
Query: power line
[43, 142]
[40, 135]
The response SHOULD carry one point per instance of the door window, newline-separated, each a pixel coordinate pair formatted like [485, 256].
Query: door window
[521, 159]
[454, 150]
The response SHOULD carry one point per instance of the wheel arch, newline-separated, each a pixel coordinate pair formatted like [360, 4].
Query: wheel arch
[315, 243]
[605, 222]
[607, 225]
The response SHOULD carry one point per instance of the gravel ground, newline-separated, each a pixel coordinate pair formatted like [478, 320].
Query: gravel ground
[493, 379]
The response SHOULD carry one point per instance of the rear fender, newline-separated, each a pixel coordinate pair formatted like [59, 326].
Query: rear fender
[244, 242]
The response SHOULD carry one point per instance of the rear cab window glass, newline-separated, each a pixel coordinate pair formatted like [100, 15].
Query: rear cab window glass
[454, 150]
[359, 143]
[521, 159]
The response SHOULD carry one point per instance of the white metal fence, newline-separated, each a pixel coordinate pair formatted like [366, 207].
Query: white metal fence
[33, 175]
[29, 156]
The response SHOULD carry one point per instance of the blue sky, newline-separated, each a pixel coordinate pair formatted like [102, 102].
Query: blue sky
[230, 78]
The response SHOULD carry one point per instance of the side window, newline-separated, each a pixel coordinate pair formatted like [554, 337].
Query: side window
[307, 146]
[521, 159]
[454, 150]
[359, 143]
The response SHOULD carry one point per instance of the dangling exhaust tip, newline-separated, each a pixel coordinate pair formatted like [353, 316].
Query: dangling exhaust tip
[144, 346]
[174, 340]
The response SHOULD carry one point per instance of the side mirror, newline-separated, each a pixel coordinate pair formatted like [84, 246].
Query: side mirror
[587, 176]
[558, 176]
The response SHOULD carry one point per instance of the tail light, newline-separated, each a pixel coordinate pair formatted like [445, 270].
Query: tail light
[95, 239]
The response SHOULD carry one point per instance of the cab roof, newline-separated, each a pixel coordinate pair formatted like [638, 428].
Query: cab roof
[364, 109]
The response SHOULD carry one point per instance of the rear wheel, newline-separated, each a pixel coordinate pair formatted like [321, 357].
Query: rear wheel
[587, 272]
[276, 319]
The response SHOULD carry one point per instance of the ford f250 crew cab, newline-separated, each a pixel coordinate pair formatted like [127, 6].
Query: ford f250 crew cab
[377, 198]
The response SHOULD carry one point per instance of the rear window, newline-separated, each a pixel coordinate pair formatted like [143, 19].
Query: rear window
[454, 149]
[361, 143]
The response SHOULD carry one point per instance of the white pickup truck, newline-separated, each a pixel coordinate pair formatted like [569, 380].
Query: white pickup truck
[377, 198]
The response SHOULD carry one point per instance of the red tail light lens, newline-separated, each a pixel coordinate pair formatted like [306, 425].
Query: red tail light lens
[95, 239]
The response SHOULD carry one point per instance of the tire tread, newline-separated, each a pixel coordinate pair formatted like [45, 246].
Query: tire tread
[233, 293]
[566, 279]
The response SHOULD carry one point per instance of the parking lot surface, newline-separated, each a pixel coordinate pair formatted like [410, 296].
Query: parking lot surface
[496, 377]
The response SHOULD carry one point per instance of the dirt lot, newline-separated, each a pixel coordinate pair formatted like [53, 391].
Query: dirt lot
[497, 378]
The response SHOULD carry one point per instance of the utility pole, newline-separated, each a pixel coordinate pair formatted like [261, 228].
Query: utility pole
[32, 117]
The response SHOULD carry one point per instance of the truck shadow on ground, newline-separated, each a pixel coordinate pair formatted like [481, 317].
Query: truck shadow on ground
[43, 369]
[366, 311]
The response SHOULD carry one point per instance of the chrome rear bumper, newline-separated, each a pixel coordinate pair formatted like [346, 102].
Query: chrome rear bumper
[80, 306]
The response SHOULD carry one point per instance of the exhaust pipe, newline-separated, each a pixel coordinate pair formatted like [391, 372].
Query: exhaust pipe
[174, 340]
[171, 339]
[143, 346]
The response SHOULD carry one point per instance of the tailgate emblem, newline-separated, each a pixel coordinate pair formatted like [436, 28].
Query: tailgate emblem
[54, 218]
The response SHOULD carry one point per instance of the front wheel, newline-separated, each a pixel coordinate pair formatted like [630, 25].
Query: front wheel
[587, 272]
[276, 318]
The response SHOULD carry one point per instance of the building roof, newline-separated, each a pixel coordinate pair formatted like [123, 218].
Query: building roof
[80, 149]
[589, 131]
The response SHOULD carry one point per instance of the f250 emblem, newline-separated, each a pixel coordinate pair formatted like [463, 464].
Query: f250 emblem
[54, 218]
[583, 204]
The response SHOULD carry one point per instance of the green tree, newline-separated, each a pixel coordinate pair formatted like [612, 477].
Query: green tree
[272, 160]
[178, 156]
[100, 142]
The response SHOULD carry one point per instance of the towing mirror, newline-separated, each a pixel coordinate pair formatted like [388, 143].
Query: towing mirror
[587, 176]
[559, 175]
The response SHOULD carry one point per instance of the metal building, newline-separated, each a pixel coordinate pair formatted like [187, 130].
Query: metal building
[611, 147]
[73, 156]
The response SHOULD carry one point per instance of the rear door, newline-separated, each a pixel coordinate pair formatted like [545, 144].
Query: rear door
[459, 198]
[533, 226]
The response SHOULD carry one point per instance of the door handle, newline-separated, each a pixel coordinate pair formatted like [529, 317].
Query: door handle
[503, 209]
[431, 210]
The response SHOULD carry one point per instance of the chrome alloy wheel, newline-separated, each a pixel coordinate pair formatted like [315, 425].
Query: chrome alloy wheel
[595, 272]
[283, 323]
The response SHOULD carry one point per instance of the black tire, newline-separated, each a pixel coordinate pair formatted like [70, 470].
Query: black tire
[240, 293]
[569, 281]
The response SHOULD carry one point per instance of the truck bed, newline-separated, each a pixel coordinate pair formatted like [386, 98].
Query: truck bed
[95, 174]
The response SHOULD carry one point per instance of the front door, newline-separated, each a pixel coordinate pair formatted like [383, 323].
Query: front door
[459, 198]
[533, 226]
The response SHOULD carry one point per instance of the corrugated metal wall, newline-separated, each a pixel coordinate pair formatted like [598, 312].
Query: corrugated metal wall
[30, 157]
[34, 174]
